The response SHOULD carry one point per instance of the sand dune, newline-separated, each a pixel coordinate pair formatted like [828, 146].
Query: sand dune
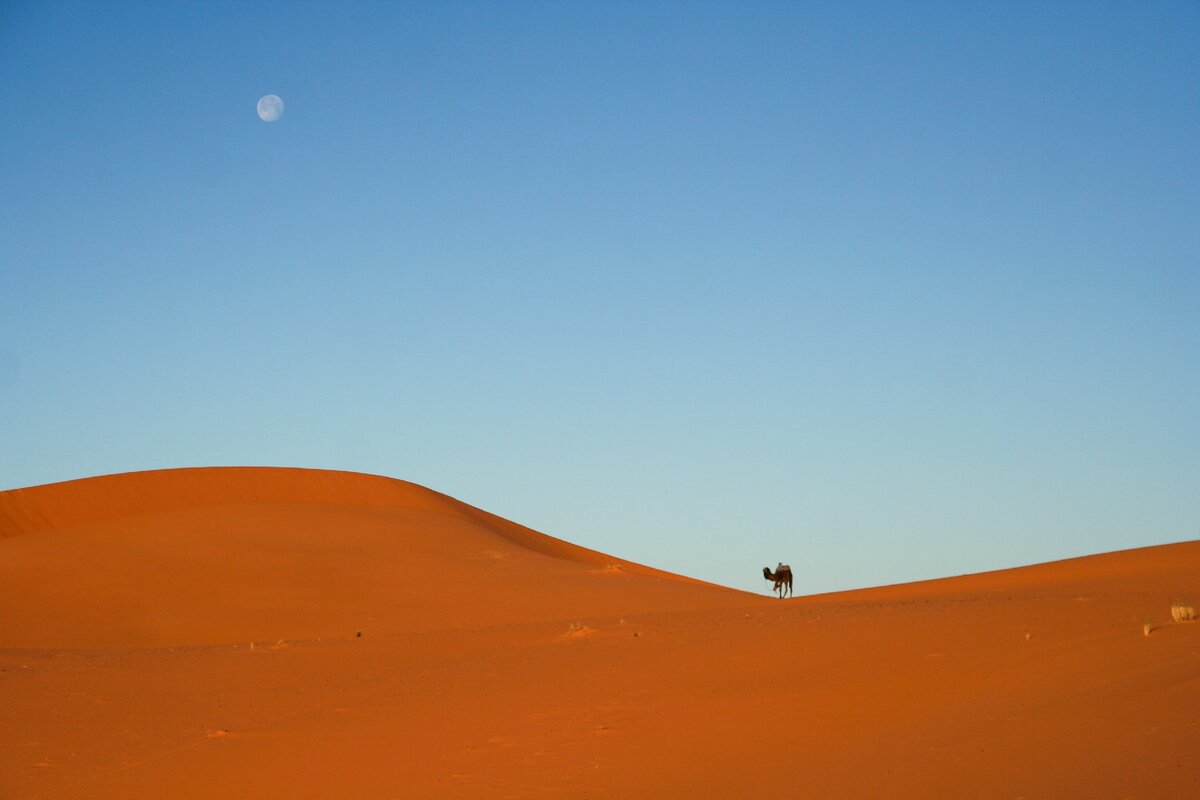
[195, 633]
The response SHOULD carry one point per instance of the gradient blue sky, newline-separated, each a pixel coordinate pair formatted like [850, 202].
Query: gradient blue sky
[888, 291]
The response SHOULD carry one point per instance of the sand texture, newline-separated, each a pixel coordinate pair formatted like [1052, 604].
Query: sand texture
[195, 633]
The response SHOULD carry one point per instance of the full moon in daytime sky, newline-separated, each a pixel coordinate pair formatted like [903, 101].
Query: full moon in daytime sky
[270, 108]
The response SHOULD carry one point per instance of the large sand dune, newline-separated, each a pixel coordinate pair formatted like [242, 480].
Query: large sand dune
[194, 633]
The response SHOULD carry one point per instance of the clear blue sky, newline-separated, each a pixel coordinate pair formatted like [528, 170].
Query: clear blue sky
[888, 291]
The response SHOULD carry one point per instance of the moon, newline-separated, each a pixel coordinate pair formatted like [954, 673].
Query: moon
[270, 108]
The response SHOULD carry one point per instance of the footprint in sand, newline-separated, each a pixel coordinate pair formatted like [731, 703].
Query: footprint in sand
[578, 629]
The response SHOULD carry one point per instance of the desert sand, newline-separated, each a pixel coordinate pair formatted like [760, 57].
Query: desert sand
[255, 632]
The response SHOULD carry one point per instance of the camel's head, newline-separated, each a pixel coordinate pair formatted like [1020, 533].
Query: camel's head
[767, 573]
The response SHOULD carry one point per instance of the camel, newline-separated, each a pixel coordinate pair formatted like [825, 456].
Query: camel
[782, 576]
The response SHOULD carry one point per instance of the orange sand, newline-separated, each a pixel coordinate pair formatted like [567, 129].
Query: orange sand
[193, 633]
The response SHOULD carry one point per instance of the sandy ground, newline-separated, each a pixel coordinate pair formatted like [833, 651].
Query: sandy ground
[194, 633]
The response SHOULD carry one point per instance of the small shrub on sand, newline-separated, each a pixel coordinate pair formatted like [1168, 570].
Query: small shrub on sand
[1183, 611]
[1147, 626]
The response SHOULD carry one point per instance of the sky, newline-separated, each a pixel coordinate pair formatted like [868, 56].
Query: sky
[886, 291]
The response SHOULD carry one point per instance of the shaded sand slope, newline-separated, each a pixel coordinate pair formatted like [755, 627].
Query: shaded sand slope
[498, 662]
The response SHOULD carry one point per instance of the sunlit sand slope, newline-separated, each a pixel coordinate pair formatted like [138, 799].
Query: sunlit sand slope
[195, 633]
[208, 556]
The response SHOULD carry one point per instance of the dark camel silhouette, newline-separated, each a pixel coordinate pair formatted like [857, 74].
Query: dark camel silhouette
[782, 576]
